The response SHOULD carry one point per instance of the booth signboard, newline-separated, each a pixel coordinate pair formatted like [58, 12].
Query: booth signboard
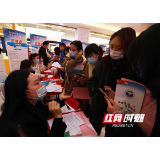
[67, 42]
[36, 41]
[3, 73]
[103, 47]
[84, 45]
[16, 46]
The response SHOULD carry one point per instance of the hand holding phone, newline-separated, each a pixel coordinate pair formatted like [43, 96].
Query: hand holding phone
[104, 94]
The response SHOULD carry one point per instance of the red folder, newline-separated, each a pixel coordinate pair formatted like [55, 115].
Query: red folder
[73, 103]
[81, 93]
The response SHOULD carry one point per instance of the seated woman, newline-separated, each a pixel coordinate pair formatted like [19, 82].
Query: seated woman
[28, 64]
[23, 95]
[35, 59]
[42, 67]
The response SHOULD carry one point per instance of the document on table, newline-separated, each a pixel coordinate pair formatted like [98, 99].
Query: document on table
[56, 64]
[66, 109]
[50, 76]
[72, 121]
[49, 70]
[51, 87]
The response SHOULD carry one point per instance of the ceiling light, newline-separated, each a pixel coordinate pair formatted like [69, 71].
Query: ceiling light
[98, 40]
[52, 35]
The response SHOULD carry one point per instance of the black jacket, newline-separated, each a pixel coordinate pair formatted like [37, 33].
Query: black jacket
[33, 120]
[104, 77]
[108, 77]
[42, 52]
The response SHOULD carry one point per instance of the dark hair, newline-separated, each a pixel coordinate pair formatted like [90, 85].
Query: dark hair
[67, 49]
[40, 56]
[143, 57]
[93, 48]
[15, 85]
[127, 35]
[57, 51]
[10, 129]
[63, 45]
[25, 64]
[45, 43]
[33, 55]
[78, 44]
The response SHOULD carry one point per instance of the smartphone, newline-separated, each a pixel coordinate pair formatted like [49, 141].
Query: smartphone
[81, 75]
[104, 94]
[68, 91]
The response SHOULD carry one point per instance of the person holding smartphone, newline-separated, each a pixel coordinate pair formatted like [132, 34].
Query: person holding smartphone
[70, 62]
[106, 72]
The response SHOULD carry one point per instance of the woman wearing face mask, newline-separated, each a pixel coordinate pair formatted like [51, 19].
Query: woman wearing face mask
[23, 95]
[143, 66]
[28, 65]
[106, 73]
[41, 66]
[35, 59]
[70, 62]
[93, 54]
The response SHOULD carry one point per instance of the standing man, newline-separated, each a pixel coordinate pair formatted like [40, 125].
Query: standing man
[43, 52]
[62, 47]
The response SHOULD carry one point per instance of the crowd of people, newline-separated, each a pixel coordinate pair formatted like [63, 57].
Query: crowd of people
[131, 57]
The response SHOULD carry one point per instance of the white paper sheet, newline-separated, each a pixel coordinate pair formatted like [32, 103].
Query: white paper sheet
[75, 132]
[51, 87]
[50, 76]
[72, 121]
[66, 109]
[56, 64]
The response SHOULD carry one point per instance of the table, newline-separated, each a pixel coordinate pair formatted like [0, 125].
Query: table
[53, 93]
[86, 129]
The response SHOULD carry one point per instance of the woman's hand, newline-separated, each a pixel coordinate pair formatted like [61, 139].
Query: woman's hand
[62, 68]
[74, 77]
[64, 96]
[49, 80]
[80, 53]
[111, 93]
[54, 107]
[83, 79]
[112, 106]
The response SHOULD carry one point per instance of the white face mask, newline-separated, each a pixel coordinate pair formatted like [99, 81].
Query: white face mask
[116, 55]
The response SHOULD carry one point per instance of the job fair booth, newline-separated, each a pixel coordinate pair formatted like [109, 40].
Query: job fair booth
[17, 50]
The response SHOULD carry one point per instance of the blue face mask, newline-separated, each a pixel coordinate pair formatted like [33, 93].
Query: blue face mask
[72, 54]
[41, 93]
[37, 61]
[91, 60]
[33, 68]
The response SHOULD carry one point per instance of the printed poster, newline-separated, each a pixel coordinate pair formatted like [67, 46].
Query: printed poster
[16, 46]
[3, 73]
[36, 41]
[129, 96]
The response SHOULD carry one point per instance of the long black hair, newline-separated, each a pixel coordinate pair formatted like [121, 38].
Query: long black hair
[143, 59]
[15, 85]
[33, 55]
